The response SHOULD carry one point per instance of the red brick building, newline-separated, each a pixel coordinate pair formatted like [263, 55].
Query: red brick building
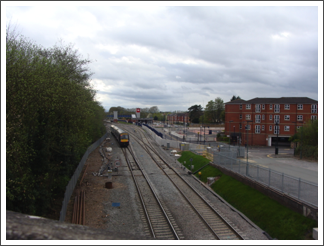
[178, 118]
[254, 121]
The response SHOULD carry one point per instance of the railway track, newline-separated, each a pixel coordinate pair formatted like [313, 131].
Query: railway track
[218, 225]
[158, 219]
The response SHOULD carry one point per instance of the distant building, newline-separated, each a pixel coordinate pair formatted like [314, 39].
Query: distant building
[254, 121]
[178, 118]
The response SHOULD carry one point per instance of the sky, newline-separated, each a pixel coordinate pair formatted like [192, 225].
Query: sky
[176, 56]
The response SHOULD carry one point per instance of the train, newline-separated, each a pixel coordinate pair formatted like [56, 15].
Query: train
[121, 136]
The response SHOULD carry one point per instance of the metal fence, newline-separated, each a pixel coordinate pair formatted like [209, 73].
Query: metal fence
[234, 151]
[286, 184]
[71, 185]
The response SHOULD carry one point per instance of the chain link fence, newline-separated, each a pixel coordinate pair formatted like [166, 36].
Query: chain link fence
[71, 185]
[226, 155]
[286, 184]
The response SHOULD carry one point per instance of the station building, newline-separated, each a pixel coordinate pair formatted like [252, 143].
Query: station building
[260, 120]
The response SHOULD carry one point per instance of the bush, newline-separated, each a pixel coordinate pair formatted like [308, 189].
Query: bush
[307, 151]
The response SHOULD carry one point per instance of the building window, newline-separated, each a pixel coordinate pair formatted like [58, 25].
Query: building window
[276, 119]
[287, 106]
[262, 127]
[263, 106]
[299, 117]
[277, 108]
[270, 117]
[270, 106]
[313, 117]
[287, 128]
[257, 108]
[276, 129]
[257, 129]
[263, 117]
[287, 117]
[240, 116]
[314, 109]
[240, 126]
[248, 106]
[270, 128]
[257, 118]
[298, 127]
[300, 106]
[240, 106]
[248, 127]
[248, 117]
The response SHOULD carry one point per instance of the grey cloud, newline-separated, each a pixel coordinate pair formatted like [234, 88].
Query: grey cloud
[245, 51]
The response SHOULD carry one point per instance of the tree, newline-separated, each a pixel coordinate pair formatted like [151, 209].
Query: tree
[154, 110]
[220, 107]
[210, 112]
[214, 110]
[307, 136]
[235, 98]
[51, 119]
[195, 112]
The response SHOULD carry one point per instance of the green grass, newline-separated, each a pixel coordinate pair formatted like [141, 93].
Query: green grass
[277, 220]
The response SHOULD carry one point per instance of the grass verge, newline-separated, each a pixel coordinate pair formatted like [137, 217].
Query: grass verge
[277, 220]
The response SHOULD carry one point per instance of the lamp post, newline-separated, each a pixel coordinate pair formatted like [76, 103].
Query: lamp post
[277, 128]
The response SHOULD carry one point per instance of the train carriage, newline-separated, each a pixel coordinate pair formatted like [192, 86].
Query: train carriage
[121, 136]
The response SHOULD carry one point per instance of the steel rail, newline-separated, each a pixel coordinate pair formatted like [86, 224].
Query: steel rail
[155, 195]
[139, 193]
[196, 192]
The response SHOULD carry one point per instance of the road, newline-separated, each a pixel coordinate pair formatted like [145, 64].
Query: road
[284, 162]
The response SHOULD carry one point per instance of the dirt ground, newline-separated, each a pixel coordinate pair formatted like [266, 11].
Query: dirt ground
[95, 192]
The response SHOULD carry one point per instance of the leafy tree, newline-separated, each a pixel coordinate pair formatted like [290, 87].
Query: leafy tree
[214, 110]
[154, 110]
[51, 119]
[307, 136]
[195, 112]
[235, 98]
[220, 107]
[210, 112]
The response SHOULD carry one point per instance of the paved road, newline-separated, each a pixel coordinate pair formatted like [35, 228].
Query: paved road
[284, 162]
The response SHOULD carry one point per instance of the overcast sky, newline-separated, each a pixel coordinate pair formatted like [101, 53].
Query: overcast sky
[176, 56]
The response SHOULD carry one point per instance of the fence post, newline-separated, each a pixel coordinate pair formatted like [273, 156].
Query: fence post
[299, 189]
[258, 172]
[282, 182]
